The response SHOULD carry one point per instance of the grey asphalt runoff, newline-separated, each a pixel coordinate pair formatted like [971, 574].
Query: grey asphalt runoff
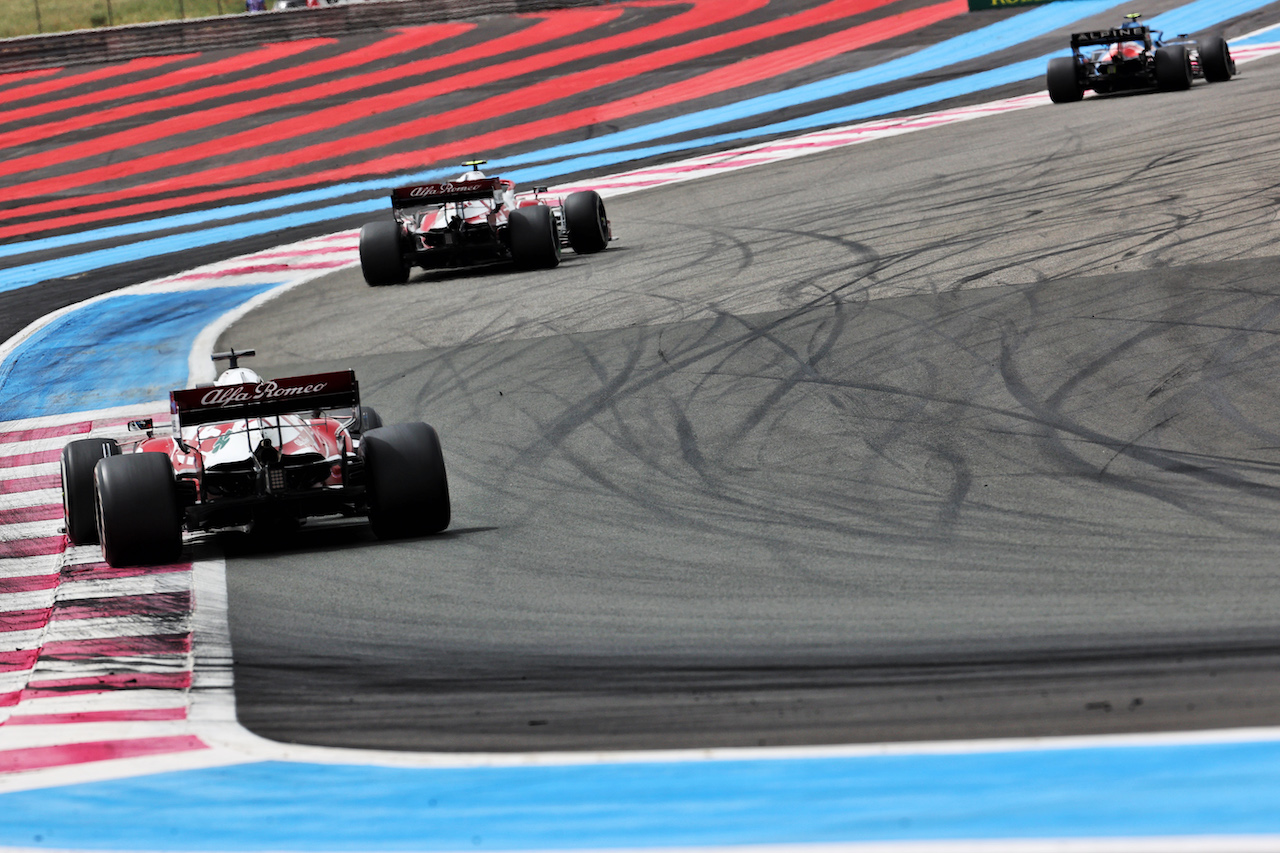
[967, 433]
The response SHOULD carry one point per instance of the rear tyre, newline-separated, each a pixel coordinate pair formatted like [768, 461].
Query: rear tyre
[535, 242]
[78, 460]
[586, 222]
[408, 491]
[381, 256]
[1063, 80]
[139, 519]
[1216, 61]
[1173, 68]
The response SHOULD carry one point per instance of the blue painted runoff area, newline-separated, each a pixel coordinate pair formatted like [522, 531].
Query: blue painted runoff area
[126, 349]
[29, 274]
[1216, 789]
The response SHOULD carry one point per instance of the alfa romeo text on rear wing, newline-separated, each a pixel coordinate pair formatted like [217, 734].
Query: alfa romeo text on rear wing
[449, 191]
[194, 406]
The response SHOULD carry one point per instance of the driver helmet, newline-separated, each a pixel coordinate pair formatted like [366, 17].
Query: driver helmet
[473, 175]
[238, 376]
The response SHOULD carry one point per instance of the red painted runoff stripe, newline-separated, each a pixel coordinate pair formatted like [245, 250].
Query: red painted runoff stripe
[29, 583]
[238, 109]
[38, 433]
[696, 87]
[15, 77]
[135, 715]
[107, 684]
[713, 82]
[710, 83]
[18, 661]
[306, 71]
[22, 514]
[38, 90]
[41, 547]
[43, 757]
[36, 458]
[24, 620]
[185, 76]
[30, 484]
[155, 644]
[702, 14]
[102, 571]
[556, 26]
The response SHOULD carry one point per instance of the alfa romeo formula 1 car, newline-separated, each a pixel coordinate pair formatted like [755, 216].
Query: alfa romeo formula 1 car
[244, 451]
[1135, 58]
[478, 220]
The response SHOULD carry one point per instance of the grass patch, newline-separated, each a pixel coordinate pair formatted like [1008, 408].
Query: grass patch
[28, 17]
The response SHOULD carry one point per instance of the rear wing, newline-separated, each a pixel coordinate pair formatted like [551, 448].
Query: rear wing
[421, 194]
[194, 406]
[1112, 36]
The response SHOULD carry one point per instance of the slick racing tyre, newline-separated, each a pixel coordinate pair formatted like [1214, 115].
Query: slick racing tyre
[381, 258]
[139, 520]
[1216, 61]
[1173, 68]
[1063, 80]
[535, 243]
[78, 461]
[586, 222]
[408, 491]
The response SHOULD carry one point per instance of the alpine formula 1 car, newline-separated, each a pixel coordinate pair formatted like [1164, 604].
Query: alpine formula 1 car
[478, 220]
[1135, 58]
[244, 451]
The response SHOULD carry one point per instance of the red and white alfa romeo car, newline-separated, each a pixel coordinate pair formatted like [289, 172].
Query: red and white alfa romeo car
[479, 220]
[245, 451]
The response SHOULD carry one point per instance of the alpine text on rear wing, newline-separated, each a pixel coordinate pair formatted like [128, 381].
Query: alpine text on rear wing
[1113, 36]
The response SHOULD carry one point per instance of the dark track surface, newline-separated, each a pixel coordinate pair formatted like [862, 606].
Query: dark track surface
[975, 436]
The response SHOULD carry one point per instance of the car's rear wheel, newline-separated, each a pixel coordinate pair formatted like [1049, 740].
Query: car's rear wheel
[585, 220]
[139, 519]
[1063, 80]
[78, 460]
[408, 490]
[1173, 68]
[381, 255]
[535, 243]
[1215, 60]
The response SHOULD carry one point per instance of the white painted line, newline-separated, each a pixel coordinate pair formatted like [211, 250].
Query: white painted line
[107, 627]
[60, 734]
[35, 600]
[146, 584]
[143, 699]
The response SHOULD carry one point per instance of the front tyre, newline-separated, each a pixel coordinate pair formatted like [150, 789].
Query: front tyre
[586, 222]
[407, 489]
[139, 518]
[534, 239]
[1063, 80]
[381, 257]
[78, 460]
[1216, 61]
[1173, 68]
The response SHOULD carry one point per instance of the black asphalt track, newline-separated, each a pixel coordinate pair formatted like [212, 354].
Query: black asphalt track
[966, 433]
